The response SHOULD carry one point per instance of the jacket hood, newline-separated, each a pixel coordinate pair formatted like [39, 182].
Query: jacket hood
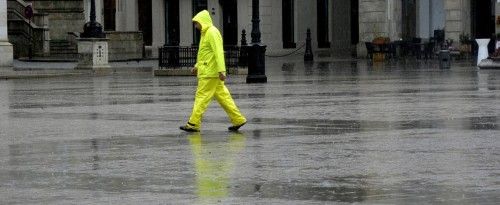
[203, 17]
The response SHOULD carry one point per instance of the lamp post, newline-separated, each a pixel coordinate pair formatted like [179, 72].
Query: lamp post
[93, 50]
[92, 29]
[256, 51]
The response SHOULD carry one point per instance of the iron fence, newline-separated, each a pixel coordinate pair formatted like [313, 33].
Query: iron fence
[183, 56]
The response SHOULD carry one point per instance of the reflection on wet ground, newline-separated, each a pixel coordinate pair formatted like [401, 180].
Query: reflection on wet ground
[327, 132]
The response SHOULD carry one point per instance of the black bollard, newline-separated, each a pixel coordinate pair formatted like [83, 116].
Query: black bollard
[243, 58]
[308, 55]
[256, 51]
[243, 37]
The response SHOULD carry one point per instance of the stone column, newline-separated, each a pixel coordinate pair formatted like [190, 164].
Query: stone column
[86, 9]
[159, 25]
[378, 18]
[127, 18]
[6, 51]
[457, 18]
[497, 16]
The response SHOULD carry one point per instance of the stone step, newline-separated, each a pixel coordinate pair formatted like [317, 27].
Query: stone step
[63, 50]
[62, 45]
[64, 55]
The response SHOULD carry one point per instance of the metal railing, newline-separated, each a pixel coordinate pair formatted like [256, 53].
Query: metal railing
[19, 6]
[183, 56]
[27, 35]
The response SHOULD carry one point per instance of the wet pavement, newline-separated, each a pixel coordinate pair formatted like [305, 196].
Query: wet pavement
[332, 132]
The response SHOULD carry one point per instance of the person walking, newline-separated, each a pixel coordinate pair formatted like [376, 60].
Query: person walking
[210, 69]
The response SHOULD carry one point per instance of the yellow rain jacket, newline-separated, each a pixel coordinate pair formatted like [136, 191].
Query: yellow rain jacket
[210, 62]
[210, 59]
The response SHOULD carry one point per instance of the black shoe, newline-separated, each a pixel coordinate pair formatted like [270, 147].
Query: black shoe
[189, 128]
[236, 127]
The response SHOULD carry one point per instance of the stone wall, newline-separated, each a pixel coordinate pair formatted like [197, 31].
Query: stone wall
[124, 45]
[372, 19]
[378, 18]
[64, 16]
[457, 18]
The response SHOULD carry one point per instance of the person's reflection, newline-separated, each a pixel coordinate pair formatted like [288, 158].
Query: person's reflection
[214, 162]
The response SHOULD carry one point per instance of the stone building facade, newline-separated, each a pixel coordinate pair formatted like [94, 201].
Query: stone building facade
[336, 25]
[283, 22]
[64, 16]
[339, 26]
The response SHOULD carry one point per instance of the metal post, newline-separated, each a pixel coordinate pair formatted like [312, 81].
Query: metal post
[255, 22]
[308, 55]
[92, 29]
[256, 51]
[243, 59]
[244, 38]
[92, 11]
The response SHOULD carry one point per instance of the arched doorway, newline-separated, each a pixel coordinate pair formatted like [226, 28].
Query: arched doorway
[198, 5]
[146, 20]
[172, 22]
[409, 14]
[288, 23]
[323, 18]
[354, 23]
[483, 18]
[109, 15]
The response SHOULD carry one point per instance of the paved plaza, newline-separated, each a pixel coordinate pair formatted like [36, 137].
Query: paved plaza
[331, 132]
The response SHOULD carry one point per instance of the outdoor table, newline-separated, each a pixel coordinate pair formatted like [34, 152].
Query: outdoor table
[483, 49]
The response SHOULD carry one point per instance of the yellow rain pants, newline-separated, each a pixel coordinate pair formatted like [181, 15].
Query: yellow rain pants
[208, 88]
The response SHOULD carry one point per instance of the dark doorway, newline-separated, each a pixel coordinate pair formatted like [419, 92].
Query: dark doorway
[229, 21]
[323, 19]
[172, 34]
[409, 19]
[288, 19]
[109, 15]
[483, 18]
[354, 22]
[198, 5]
[145, 21]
